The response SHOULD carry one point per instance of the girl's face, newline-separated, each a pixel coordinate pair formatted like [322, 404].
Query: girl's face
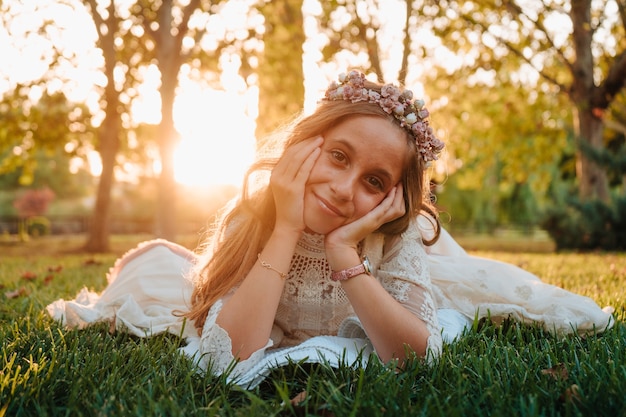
[362, 159]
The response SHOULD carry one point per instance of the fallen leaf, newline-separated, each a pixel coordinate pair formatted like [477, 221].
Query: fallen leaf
[17, 293]
[57, 268]
[572, 394]
[558, 371]
[48, 279]
[29, 276]
[91, 262]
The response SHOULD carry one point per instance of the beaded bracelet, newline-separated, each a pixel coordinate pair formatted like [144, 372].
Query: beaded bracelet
[268, 266]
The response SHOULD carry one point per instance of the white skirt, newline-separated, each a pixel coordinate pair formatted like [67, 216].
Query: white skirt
[148, 289]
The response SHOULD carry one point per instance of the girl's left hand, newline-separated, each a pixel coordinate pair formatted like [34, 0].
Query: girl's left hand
[349, 235]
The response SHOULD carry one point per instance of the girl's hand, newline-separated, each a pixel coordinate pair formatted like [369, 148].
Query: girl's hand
[349, 235]
[288, 181]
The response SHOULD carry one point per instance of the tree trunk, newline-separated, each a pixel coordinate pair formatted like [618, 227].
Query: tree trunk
[166, 218]
[109, 133]
[281, 76]
[100, 224]
[593, 182]
[169, 61]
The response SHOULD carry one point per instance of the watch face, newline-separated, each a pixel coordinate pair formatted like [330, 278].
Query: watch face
[367, 265]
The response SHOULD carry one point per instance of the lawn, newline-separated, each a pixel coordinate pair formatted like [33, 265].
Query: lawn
[506, 370]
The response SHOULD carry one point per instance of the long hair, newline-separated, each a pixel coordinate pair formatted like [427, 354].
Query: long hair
[244, 228]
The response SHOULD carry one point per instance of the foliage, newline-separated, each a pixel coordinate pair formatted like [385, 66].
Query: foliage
[562, 47]
[486, 206]
[280, 70]
[45, 126]
[361, 33]
[588, 225]
[505, 370]
[33, 202]
[591, 224]
[38, 226]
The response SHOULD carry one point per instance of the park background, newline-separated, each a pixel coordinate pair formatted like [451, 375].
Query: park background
[141, 116]
[122, 120]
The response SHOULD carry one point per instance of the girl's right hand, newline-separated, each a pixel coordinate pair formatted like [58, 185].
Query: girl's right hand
[289, 179]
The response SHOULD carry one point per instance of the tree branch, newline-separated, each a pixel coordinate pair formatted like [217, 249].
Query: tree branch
[406, 44]
[515, 51]
[538, 24]
[183, 28]
[614, 81]
[621, 7]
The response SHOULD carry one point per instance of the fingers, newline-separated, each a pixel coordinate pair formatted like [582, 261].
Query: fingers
[288, 182]
[298, 160]
[392, 206]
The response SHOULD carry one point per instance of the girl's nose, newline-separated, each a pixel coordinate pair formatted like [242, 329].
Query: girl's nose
[343, 187]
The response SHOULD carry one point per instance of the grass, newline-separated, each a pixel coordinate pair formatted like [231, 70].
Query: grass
[46, 370]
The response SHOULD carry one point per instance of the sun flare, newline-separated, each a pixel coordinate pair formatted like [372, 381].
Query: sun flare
[217, 138]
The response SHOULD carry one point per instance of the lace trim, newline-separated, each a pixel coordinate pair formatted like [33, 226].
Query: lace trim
[216, 348]
[312, 243]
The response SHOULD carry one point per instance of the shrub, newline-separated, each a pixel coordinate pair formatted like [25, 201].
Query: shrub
[588, 225]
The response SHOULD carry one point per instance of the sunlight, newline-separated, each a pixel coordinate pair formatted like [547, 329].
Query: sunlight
[217, 138]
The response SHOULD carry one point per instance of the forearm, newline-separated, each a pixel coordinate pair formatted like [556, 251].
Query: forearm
[389, 325]
[249, 314]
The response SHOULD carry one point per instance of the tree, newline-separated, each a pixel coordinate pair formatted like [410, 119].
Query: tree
[163, 33]
[175, 39]
[107, 24]
[356, 26]
[45, 125]
[280, 72]
[588, 65]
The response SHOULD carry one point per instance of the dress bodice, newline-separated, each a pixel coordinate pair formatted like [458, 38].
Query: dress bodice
[311, 304]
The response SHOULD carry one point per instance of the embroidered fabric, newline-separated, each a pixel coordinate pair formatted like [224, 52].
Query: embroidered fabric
[313, 305]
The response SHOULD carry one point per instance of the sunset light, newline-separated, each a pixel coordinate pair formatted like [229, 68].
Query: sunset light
[217, 135]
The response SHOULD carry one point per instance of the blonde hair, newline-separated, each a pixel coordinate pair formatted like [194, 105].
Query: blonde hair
[243, 229]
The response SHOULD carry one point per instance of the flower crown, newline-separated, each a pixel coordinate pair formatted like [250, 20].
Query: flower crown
[411, 114]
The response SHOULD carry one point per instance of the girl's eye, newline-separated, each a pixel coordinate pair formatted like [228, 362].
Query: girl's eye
[338, 156]
[375, 182]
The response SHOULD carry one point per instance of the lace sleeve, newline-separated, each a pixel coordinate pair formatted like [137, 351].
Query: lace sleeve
[216, 347]
[404, 273]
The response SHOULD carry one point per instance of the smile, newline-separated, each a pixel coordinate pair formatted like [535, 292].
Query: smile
[329, 207]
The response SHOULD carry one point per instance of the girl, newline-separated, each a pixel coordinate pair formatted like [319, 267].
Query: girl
[327, 259]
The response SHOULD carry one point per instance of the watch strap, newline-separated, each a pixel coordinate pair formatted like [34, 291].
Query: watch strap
[344, 274]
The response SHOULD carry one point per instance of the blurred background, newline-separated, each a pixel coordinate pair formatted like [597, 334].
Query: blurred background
[141, 117]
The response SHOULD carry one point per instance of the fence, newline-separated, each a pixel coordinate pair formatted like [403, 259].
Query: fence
[77, 224]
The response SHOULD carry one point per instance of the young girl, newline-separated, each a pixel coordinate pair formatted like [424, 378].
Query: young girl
[331, 258]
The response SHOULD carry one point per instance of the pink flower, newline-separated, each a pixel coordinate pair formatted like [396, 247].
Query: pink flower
[388, 104]
[410, 118]
[395, 102]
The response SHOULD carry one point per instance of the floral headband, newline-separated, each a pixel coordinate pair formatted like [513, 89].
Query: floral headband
[411, 114]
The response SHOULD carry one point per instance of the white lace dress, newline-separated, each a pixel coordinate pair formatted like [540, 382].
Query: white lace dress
[313, 307]
[148, 288]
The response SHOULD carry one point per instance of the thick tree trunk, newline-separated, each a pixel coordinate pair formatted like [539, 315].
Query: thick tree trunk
[592, 179]
[281, 76]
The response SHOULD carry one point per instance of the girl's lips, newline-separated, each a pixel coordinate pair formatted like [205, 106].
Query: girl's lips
[326, 205]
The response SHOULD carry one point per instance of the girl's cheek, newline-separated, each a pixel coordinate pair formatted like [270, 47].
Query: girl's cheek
[365, 205]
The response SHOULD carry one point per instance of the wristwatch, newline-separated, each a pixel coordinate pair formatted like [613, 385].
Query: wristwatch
[344, 274]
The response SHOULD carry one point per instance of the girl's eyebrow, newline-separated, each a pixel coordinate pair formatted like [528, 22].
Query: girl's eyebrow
[381, 172]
